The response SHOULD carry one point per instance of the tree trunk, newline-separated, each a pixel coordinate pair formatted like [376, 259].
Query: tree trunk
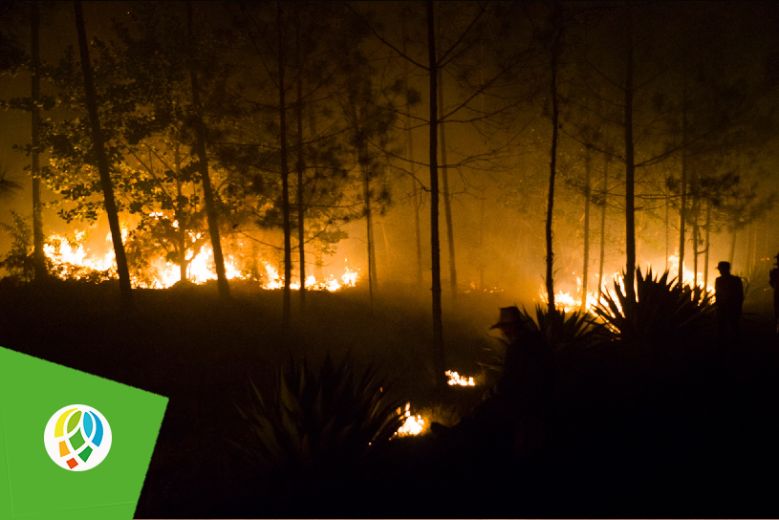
[695, 240]
[39, 260]
[300, 166]
[555, 51]
[630, 213]
[285, 206]
[435, 253]
[603, 222]
[587, 193]
[708, 246]
[481, 242]
[683, 188]
[694, 210]
[447, 194]
[733, 236]
[102, 162]
[202, 156]
[667, 227]
[412, 164]
[367, 195]
[179, 214]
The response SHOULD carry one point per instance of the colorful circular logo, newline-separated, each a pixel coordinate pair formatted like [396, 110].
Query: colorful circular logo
[77, 437]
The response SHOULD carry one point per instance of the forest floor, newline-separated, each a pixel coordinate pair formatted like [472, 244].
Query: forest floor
[696, 435]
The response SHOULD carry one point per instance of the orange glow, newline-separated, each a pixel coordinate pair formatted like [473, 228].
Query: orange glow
[413, 425]
[455, 379]
[73, 260]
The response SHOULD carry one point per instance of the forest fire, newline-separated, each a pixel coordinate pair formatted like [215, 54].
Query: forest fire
[455, 379]
[413, 424]
[567, 302]
[71, 259]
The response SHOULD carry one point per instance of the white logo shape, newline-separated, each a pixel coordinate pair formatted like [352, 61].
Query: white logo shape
[77, 437]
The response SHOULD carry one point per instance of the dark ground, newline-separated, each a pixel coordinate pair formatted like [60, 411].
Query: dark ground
[690, 434]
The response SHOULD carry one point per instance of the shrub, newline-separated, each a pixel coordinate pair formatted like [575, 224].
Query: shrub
[664, 310]
[561, 331]
[327, 420]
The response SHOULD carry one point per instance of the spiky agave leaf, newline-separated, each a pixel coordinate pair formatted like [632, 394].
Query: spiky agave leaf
[561, 330]
[664, 309]
[313, 420]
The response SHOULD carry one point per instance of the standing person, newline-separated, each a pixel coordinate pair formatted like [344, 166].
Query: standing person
[773, 279]
[515, 415]
[729, 298]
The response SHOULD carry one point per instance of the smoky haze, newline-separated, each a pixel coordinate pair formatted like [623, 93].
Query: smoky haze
[496, 140]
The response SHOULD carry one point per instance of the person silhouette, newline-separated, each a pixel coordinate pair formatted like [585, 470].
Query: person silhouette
[729, 299]
[773, 279]
[526, 384]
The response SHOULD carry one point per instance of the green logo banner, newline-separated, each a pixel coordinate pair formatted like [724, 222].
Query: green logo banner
[72, 445]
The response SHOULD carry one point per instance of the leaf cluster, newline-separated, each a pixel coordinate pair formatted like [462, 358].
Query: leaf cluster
[317, 419]
[665, 310]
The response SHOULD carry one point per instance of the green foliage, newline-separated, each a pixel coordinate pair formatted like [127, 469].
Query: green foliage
[18, 262]
[665, 310]
[313, 421]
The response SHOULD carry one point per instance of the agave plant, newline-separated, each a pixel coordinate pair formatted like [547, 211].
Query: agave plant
[664, 309]
[322, 420]
[561, 330]
[557, 330]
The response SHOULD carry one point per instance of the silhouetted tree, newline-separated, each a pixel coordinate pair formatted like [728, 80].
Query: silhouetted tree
[200, 149]
[35, 102]
[102, 160]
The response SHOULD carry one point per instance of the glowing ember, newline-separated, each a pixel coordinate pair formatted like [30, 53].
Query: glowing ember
[474, 288]
[455, 379]
[413, 425]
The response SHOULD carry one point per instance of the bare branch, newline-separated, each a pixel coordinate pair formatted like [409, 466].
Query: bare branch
[441, 62]
[385, 41]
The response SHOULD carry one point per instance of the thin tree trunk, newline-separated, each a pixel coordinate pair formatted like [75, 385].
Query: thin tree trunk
[102, 161]
[481, 242]
[385, 239]
[179, 213]
[200, 150]
[695, 240]
[603, 222]
[417, 224]
[435, 253]
[285, 205]
[367, 195]
[683, 188]
[694, 210]
[300, 165]
[708, 246]
[555, 51]
[753, 260]
[587, 193]
[39, 260]
[733, 236]
[412, 164]
[667, 227]
[447, 194]
[630, 212]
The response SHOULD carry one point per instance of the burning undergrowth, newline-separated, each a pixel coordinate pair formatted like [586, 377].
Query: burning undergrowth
[71, 258]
